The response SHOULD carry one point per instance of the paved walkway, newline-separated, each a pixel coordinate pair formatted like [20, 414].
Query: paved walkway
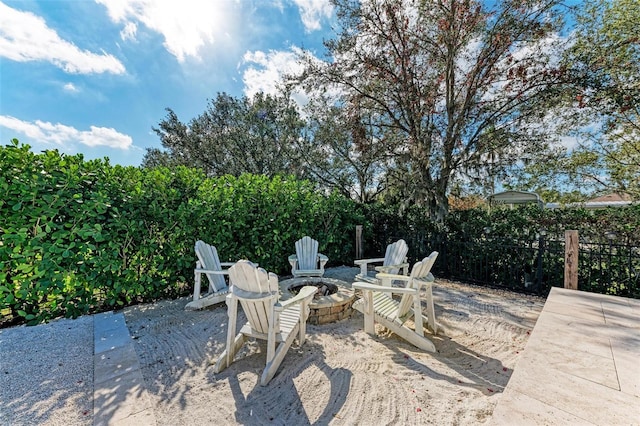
[119, 395]
[581, 365]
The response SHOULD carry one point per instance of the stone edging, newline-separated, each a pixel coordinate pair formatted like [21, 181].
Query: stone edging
[119, 394]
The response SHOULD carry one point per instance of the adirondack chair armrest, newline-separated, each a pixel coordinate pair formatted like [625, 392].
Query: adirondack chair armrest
[364, 264]
[306, 293]
[293, 259]
[386, 279]
[366, 261]
[385, 276]
[375, 287]
[365, 286]
[387, 268]
[211, 271]
[228, 264]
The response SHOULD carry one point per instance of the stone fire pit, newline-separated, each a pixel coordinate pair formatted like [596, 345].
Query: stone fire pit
[331, 303]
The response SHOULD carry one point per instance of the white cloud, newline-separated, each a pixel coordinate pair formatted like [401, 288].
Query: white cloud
[104, 136]
[70, 87]
[26, 37]
[62, 135]
[186, 25]
[265, 72]
[129, 31]
[311, 11]
[267, 69]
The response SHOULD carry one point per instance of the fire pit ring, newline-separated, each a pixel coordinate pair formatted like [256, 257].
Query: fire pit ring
[333, 305]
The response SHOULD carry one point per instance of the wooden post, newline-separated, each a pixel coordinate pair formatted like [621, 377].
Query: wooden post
[571, 259]
[358, 241]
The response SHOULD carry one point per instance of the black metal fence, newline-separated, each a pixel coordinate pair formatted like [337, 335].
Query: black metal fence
[609, 268]
[530, 265]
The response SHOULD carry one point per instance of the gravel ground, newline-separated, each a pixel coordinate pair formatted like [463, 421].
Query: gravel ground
[46, 373]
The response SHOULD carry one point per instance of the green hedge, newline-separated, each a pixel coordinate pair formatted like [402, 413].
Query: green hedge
[500, 247]
[385, 224]
[526, 221]
[83, 236]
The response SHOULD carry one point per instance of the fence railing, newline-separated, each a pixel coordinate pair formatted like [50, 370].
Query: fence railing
[534, 265]
[610, 269]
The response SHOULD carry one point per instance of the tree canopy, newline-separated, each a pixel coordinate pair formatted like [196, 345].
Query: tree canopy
[454, 88]
[418, 100]
[606, 56]
[601, 102]
[234, 136]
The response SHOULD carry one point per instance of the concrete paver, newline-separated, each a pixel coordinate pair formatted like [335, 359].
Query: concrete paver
[579, 365]
[119, 394]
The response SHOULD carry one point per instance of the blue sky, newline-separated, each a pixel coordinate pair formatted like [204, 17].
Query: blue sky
[94, 76]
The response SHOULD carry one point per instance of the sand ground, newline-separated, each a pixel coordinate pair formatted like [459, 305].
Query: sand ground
[340, 376]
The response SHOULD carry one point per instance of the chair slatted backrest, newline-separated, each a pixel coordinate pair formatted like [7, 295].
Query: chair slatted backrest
[257, 291]
[209, 260]
[307, 253]
[396, 254]
[421, 272]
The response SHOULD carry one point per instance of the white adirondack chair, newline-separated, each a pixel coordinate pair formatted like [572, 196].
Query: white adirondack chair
[268, 319]
[377, 304]
[209, 264]
[307, 262]
[394, 260]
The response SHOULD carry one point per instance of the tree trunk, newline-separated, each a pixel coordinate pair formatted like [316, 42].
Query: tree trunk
[438, 203]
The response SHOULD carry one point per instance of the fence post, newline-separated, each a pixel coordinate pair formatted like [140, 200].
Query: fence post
[541, 247]
[358, 241]
[571, 259]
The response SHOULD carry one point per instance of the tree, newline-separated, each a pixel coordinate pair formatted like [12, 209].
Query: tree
[341, 151]
[451, 84]
[605, 60]
[234, 136]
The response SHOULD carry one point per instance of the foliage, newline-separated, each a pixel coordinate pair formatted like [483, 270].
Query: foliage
[523, 248]
[387, 223]
[606, 57]
[526, 221]
[466, 203]
[234, 136]
[454, 89]
[259, 218]
[83, 236]
[602, 104]
[340, 151]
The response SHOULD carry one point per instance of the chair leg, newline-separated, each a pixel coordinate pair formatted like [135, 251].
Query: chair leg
[271, 335]
[416, 340]
[369, 326]
[227, 356]
[417, 315]
[431, 313]
[272, 366]
[407, 334]
[232, 313]
[196, 287]
[302, 323]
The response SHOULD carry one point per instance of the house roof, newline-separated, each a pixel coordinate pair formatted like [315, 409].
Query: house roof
[607, 198]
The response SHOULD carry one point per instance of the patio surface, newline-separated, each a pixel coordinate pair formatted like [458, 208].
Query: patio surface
[580, 365]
